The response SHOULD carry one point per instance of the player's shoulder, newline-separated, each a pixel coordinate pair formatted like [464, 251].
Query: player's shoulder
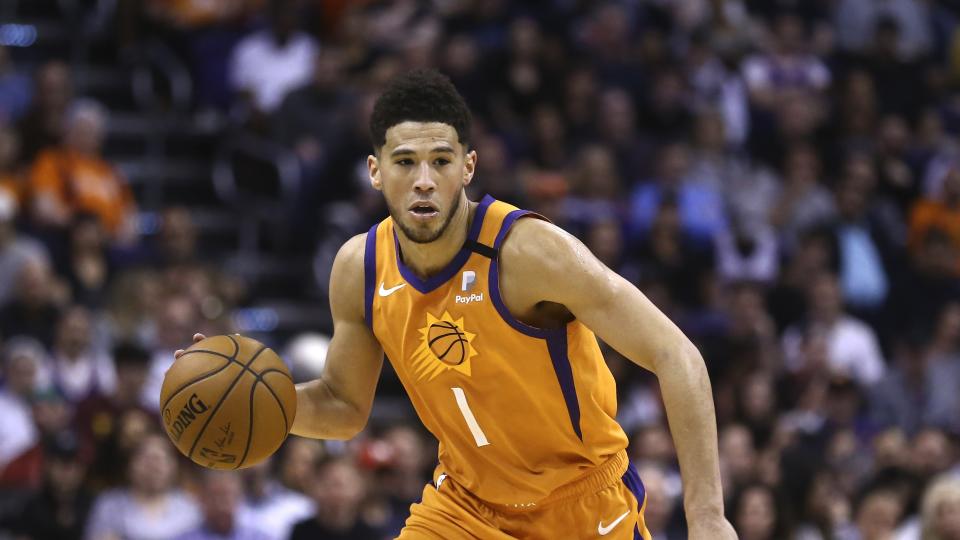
[348, 264]
[537, 239]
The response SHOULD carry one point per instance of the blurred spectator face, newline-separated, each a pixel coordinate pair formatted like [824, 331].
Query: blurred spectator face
[710, 131]
[177, 321]
[894, 135]
[132, 369]
[790, 34]
[756, 514]
[617, 112]
[654, 444]
[461, 55]
[9, 148]
[134, 427]
[605, 240]
[737, 454]
[87, 235]
[152, 466]
[931, 453]
[951, 186]
[178, 234]
[758, 397]
[890, 449]
[826, 303]
[21, 367]
[54, 86]
[329, 68]
[853, 195]
[597, 175]
[878, 515]
[525, 39]
[673, 164]
[85, 128]
[299, 459]
[548, 126]
[220, 497]
[941, 510]
[338, 488]
[34, 283]
[948, 326]
[51, 412]
[64, 471]
[660, 503]
[73, 332]
[798, 116]
[407, 448]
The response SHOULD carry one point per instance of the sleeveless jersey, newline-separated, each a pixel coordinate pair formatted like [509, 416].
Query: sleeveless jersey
[518, 411]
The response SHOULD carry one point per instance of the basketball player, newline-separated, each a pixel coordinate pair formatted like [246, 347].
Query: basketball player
[489, 316]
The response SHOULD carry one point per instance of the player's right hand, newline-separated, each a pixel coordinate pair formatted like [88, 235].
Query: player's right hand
[196, 337]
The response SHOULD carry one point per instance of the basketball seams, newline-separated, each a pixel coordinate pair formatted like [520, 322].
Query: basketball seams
[229, 359]
[191, 382]
[251, 423]
[283, 412]
[223, 398]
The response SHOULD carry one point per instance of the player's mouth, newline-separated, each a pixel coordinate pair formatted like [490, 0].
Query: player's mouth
[423, 211]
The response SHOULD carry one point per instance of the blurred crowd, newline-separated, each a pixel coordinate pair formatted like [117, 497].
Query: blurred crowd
[781, 177]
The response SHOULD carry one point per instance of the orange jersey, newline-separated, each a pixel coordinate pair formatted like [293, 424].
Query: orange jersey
[82, 183]
[519, 411]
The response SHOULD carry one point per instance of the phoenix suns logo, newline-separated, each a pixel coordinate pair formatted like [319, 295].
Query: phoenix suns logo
[445, 344]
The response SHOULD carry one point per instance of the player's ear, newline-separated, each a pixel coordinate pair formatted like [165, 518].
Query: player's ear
[469, 166]
[373, 168]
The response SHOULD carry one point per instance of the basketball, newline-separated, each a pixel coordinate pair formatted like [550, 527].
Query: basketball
[228, 402]
[447, 342]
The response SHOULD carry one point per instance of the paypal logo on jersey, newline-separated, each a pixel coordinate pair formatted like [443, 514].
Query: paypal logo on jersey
[467, 282]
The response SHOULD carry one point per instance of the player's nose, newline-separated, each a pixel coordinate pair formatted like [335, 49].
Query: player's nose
[424, 181]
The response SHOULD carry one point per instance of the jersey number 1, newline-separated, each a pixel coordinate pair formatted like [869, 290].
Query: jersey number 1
[478, 435]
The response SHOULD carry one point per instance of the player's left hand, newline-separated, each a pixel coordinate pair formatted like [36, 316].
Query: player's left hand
[710, 528]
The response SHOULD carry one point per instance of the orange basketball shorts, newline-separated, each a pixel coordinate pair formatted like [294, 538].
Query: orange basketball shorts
[612, 510]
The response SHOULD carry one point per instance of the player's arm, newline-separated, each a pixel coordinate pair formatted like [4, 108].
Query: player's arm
[542, 263]
[337, 404]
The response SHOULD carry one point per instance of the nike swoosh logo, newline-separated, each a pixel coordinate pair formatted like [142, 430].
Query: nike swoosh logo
[391, 290]
[603, 531]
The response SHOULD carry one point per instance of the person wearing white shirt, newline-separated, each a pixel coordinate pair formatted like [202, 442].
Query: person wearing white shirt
[849, 347]
[267, 65]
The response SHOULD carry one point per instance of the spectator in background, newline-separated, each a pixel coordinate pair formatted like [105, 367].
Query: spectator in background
[851, 347]
[265, 66]
[270, 505]
[34, 310]
[78, 370]
[878, 513]
[42, 126]
[700, 206]
[940, 510]
[75, 178]
[15, 90]
[51, 416]
[12, 179]
[61, 508]
[22, 361]
[16, 250]
[756, 514]
[787, 69]
[149, 507]
[177, 318]
[867, 238]
[337, 489]
[220, 496]
[941, 213]
[85, 264]
[802, 201]
[98, 417]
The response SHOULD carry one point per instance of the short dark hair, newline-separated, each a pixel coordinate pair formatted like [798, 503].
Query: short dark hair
[422, 95]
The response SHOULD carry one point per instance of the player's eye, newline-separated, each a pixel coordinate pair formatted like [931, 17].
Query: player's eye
[405, 162]
[441, 161]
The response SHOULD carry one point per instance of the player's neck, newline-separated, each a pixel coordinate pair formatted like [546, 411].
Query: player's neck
[428, 259]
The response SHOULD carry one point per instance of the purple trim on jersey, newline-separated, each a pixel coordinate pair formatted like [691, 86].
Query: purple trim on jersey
[369, 274]
[557, 345]
[427, 285]
[632, 479]
[494, 285]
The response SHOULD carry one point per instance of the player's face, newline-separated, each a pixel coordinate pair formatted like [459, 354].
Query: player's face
[422, 170]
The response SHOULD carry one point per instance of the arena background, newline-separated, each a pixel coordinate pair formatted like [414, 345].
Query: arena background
[780, 177]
